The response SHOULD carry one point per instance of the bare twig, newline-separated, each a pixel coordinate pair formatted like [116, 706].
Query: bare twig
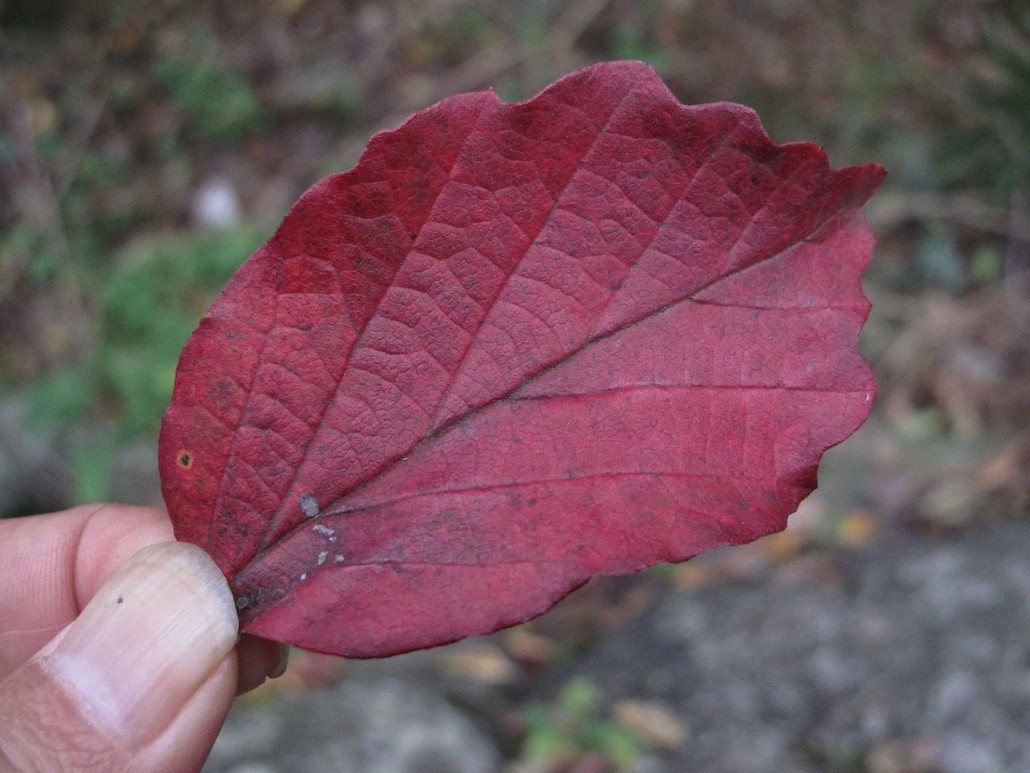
[65, 174]
[486, 66]
[489, 64]
[889, 210]
[573, 22]
[37, 204]
[32, 192]
[1017, 252]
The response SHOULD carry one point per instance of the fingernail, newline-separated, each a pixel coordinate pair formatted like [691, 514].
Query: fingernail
[149, 638]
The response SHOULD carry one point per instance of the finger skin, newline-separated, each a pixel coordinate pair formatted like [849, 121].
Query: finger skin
[183, 746]
[34, 711]
[53, 565]
[152, 656]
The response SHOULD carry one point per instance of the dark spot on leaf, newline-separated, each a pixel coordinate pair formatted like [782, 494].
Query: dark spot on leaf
[185, 459]
[120, 599]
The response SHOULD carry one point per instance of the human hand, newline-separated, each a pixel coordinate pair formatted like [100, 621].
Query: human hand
[118, 647]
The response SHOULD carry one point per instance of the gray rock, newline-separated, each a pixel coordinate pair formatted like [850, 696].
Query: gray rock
[921, 642]
[37, 467]
[33, 476]
[387, 726]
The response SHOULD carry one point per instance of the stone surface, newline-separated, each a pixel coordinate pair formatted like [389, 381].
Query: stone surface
[919, 641]
[33, 476]
[387, 726]
[38, 463]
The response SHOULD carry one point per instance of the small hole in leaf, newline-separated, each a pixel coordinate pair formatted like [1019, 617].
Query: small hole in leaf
[185, 459]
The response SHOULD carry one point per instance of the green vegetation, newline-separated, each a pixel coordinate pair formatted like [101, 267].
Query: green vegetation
[220, 104]
[149, 304]
[573, 727]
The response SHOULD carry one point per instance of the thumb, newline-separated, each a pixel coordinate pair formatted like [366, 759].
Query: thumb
[141, 680]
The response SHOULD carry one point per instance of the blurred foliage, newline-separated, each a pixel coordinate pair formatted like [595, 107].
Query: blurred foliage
[149, 306]
[574, 728]
[219, 103]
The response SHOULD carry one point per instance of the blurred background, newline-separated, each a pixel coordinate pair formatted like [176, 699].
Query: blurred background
[147, 148]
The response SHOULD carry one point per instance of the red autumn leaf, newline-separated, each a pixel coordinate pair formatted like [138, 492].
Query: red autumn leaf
[515, 347]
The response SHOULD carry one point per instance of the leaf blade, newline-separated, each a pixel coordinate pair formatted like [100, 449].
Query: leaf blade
[600, 256]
